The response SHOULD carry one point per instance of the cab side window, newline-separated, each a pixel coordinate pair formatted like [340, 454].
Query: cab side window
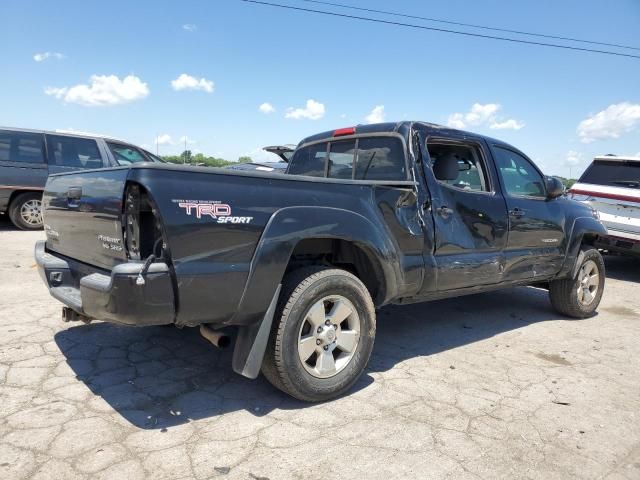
[519, 177]
[459, 166]
[73, 152]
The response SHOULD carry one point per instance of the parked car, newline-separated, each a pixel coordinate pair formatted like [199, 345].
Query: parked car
[298, 263]
[27, 157]
[282, 151]
[277, 167]
[611, 185]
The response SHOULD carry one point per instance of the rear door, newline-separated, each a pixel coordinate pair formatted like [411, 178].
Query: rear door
[68, 153]
[469, 214]
[536, 243]
[22, 161]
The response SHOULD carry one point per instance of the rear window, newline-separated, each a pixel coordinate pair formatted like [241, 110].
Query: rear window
[21, 147]
[73, 152]
[309, 161]
[368, 158]
[614, 174]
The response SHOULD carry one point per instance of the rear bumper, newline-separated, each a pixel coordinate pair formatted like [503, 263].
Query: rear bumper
[110, 296]
[620, 242]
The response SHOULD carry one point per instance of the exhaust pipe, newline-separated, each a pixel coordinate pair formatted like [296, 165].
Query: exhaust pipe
[70, 315]
[219, 339]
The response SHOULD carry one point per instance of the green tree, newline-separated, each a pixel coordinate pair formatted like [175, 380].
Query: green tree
[245, 159]
[186, 156]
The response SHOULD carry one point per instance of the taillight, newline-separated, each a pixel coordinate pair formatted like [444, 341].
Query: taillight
[132, 221]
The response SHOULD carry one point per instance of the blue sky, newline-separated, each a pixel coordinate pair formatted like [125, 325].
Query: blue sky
[201, 69]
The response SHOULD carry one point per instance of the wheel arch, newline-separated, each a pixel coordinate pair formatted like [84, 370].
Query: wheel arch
[584, 231]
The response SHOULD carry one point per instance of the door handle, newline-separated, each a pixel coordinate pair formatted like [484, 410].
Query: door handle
[517, 212]
[444, 211]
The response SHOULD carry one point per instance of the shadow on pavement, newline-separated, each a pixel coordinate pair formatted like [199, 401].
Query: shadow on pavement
[5, 223]
[157, 377]
[624, 268]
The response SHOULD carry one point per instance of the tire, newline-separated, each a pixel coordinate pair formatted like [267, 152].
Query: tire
[25, 211]
[295, 333]
[569, 297]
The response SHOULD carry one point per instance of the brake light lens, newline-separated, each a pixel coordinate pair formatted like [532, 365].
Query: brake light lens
[344, 131]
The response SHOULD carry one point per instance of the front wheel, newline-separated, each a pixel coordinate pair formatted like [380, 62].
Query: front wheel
[322, 335]
[579, 297]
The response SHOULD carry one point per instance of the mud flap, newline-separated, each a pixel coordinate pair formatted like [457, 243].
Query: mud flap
[252, 343]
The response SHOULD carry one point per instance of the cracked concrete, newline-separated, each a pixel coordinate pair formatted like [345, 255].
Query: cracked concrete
[489, 386]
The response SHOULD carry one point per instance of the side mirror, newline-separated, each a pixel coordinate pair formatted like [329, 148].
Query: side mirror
[554, 187]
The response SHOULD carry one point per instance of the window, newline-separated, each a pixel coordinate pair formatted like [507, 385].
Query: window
[614, 173]
[519, 176]
[21, 147]
[458, 166]
[125, 154]
[377, 158]
[309, 160]
[73, 152]
[380, 158]
[341, 159]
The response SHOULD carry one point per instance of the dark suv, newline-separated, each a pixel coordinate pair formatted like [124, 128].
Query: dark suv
[28, 157]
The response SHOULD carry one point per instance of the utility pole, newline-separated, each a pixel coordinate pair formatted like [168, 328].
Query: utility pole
[185, 149]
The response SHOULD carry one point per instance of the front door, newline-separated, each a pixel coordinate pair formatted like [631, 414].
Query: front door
[469, 214]
[535, 247]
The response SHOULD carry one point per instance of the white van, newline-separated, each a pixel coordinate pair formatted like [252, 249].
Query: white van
[611, 185]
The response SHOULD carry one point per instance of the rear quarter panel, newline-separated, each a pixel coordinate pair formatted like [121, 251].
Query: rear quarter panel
[211, 260]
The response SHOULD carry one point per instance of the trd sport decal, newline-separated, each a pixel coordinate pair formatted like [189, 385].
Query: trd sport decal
[215, 209]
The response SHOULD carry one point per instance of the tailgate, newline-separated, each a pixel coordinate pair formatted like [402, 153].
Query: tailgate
[83, 216]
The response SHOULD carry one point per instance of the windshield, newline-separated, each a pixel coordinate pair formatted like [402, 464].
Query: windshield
[614, 173]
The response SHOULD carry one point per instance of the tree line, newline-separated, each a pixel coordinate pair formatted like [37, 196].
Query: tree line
[201, 159]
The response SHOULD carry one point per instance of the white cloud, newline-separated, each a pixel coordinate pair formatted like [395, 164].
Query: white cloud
[189, 27]
[483, 115]
[187, 82]
[189, 141]
[611, 122]
[343, 115]
[313, 111]
[510, 124]
[376, 115]
[41, 57]
[573, 158]
[266, 108]
[102, 90]
[164, 139]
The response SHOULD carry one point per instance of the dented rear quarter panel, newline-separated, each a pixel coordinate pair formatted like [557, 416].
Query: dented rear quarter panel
[220, 276]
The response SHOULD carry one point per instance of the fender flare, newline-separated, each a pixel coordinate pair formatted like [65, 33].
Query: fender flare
[581, 226]
[285, 229]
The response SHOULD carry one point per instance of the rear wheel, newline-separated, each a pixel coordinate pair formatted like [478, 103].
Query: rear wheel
[579, 297]
[322, 335]
[25, 211]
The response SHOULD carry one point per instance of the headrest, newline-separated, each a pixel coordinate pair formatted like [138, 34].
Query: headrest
[446, 167]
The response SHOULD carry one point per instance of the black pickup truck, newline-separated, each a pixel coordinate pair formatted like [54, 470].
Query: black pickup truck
[298, 263]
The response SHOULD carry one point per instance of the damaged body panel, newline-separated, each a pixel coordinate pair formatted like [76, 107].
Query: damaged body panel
[414, 211]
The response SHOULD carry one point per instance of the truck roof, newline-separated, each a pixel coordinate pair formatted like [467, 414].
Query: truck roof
[390, 127]
[616, 158]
